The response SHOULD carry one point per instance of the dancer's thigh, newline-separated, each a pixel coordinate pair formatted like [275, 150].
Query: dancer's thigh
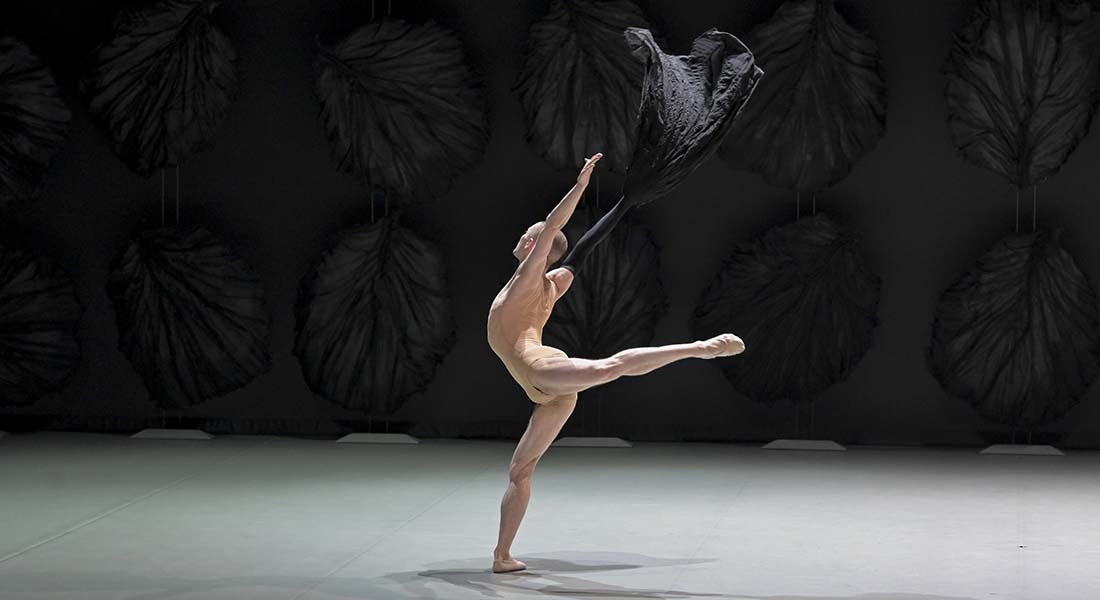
[563, 375]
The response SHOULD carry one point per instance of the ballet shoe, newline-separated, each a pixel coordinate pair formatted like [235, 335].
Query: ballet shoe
[508, 566]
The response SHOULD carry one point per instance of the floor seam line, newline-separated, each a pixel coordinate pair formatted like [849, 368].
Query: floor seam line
[115, 509]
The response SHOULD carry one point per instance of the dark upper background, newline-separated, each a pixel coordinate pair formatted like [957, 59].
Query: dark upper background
[268, 186]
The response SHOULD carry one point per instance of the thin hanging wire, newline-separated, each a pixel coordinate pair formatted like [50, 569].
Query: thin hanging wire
[389, 8]
[1017, 210]
[797, 205]
[1034, 206]
[162, 195]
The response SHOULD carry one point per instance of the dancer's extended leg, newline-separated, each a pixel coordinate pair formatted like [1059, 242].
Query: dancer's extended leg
[559, 376]
[546, 422]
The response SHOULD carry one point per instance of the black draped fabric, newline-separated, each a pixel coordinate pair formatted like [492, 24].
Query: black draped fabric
[805, 301]
[1022, 85]
[1017, 335]
[580, 85]
[688, 105]
[374, 318]
[618, 300]
[822, 105]
[191, 315]
[402, 108]
[34, 121]
[163, 84]
[39, 313]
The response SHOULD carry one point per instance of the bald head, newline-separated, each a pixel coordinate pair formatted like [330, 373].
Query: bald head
[527, 242]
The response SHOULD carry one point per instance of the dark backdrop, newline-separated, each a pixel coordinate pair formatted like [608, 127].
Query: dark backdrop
[269, 186]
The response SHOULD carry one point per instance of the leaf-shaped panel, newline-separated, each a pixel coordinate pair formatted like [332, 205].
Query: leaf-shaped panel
[191, 315]
[1017, 335]
[164, 82]
[34, 120]
[580, 85]
[821, 106]
[39, 312]
[804, 299]
[374, 318]
[402, 108]
[1022, 85]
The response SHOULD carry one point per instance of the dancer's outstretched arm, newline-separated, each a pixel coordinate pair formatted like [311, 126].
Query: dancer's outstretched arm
[561, 214]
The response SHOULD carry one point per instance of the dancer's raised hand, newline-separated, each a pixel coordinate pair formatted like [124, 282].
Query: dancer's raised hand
[589, 166]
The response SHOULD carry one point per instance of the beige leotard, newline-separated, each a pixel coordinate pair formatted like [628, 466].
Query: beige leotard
[516, 319]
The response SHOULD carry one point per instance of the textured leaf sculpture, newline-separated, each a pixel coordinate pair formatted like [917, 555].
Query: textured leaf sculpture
[39, 312]
[804, 300]
[580, 84]
[163, 84]
[1022, 85]
[688, 104]
[616, 301]
[374, 318]
[191, 315]
[402, 109]
[34, 121]
[820, 108]
[1017, 335]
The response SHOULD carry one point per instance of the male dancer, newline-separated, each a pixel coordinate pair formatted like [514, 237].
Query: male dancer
[551, 378]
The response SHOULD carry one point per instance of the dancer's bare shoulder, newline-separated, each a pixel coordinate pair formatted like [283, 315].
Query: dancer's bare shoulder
[560, 279]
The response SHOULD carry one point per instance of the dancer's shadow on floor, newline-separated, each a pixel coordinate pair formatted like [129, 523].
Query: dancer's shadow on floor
[545, 575]
[557, 577]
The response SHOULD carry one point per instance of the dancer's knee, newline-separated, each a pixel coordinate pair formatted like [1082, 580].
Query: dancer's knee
[579, 376]
[599, 371]
[520, 474]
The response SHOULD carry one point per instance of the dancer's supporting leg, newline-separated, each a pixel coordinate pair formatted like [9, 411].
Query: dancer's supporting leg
[546, 422]
[560, 376]
[579, 252]
[564, 377]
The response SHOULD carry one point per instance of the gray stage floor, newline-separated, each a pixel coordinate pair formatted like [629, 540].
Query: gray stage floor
[91, 517]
